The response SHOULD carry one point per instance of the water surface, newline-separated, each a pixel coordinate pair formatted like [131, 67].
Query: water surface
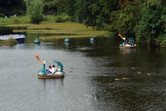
[99, 77]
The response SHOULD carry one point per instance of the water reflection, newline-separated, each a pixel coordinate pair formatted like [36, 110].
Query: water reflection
[51, 83]
[128, 51]
[67, 44]
[93, 43]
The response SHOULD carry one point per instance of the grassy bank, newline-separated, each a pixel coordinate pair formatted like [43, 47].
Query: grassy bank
[49, 26]
[8, 42]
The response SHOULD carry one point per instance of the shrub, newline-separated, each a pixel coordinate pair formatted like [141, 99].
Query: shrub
[35, 10]
[59, 19]
[9, 41]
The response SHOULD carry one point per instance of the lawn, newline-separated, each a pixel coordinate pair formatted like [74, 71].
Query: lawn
[49, 26]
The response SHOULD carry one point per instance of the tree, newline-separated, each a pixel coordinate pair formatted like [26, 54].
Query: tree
[124, 21]
[70, 7]
[54, 6]
[150, 27]
[34, 10]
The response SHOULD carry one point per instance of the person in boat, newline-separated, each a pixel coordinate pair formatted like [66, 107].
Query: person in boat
[132, 43]
[126, 42]
[50, 70]
[53, 69]
[58, 68]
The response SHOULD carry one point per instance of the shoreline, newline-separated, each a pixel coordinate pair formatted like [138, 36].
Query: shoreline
[55, 29]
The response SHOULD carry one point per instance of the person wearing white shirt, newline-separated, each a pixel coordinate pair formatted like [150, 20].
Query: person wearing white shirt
[53, 69]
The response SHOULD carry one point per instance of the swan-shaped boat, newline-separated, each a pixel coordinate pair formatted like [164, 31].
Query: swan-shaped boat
[129, 43]
[46, 74]
[36, 41]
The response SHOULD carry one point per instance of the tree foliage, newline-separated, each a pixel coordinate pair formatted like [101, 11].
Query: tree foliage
[34, 10]
[150, 26]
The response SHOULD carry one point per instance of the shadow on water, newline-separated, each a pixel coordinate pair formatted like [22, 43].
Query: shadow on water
[9, 30]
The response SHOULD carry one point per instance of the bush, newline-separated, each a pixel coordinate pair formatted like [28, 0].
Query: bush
[59, 19]
[12, 41]
[35, 10]
[9, 41]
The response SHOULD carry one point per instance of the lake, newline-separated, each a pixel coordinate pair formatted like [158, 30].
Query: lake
[98, 77]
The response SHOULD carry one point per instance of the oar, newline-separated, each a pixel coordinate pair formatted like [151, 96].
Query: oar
[37, 56]
[122, 37]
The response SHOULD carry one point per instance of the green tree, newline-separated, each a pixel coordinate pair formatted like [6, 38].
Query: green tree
[34, 10]
[54, 6]
[98, 12]
[150, 27]
[70, 10]
[124, 21]
[49, 6]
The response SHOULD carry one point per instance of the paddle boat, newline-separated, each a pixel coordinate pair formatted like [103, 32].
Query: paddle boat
[46, 74]
[128, 43]
[93, 39]
[67, 40]
[18, 37]
[36, 41]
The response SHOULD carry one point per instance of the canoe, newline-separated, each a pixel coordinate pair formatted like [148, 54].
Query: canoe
[58, 75]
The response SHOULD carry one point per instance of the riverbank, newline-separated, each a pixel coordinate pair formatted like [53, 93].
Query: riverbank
[8, 42]
[52, 29]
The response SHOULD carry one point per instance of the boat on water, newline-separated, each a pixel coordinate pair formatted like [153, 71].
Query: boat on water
[127, 46]
[128, 43]
[36, 41]
[93, 39]
[46, 74]
[51, 76]
[18, 37]
[67, 39]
